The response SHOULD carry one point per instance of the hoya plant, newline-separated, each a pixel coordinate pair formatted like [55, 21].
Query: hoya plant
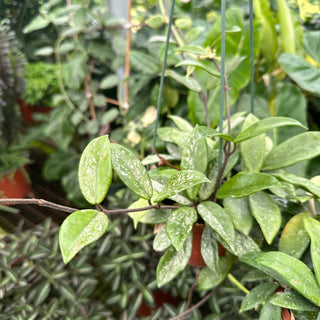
[261, 215]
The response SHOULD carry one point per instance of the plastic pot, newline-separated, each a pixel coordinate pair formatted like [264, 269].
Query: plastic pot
[196, 258]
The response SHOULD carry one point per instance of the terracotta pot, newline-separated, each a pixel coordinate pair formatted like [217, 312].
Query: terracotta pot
[285, 314]
[15, 185]
[160, 298]
[196, 258]
[28, 111]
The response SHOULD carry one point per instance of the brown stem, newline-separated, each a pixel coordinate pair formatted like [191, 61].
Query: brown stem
[154, 206]
[39, 202]
[197, 305]
[113, 101]
[163, 159]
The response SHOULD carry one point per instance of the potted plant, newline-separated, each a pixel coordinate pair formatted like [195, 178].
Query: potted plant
[41, 86]
[13, 151]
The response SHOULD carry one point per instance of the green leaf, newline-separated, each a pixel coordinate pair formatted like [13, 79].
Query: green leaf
[312, 44]
[37, 23]
[174, 135]
[245, 183]
[95, 170]
[144, 63]
[211, 133]
[110, 81]
[137, 216]
[180, 181]
[199, 64]
[161, 241]
[300, 182]
[253, 150]
[291, 271]
[218, 220]
[266, 125]
[130, 170]
[173, 262]
[189, 82]
[312, 226]
[209, 278]
[207, 188]
[300, 71]
[267, 214]
[155, 21]
[270, 312]
[304, 146]
[179, 225]
[294, 239]
[258, 295]
[80, 229]
[197, 50]
[209, 249]
[239, 213]
[181, 123]
[293, 301]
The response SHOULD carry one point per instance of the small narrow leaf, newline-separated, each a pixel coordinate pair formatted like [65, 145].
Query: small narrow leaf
[79, 229]
[173, 262]
[218, 220]
[211, 133]
[190, 83]
[193, 50]
[95, 170]
[246, 183]
[304, 146]
[266, 125]
[294, 239]
[312, 226]
[181, 123]
[258, 295]
[130, 170]
[179, 225]
[199, 64]
[180, 181]
[267, 214]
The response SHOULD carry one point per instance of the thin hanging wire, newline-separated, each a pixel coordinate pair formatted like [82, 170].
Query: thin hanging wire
[222, 74]
[162, 75]
[251, 56]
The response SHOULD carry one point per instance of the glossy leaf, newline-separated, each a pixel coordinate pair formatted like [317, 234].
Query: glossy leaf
[312, 44]
[270, 312]
[300, 182]
[137, 216]
[289, 270]
[211, 133]
[190, 83]
[239, 213]
[131, 171]
[294, 239]
[161, 241]
[179, 225]
[258, 295]
[173, 262]
[180, 181]
[181, 123]
[304, 146]
[173, 135]
[264, 126]
[79, 229]
[218, 220]
[246, 183]
[253, 150]
[95, 170]
[209, 249]
[293, 301]
[212, 173]
[312, 226]
[300, 71]
[209, 278]
[267, 214]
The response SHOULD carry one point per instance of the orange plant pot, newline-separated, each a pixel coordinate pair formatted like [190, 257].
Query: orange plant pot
[29, 111]
[196, 259]
[14, 185]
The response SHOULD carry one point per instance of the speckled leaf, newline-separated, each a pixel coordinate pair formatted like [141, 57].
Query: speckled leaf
[95, 170]
[130, 170]
[270, 312]
[209, 248]
[218, 220]
[267, 214]
[179, 225]
[265, 125]
[258, 295]
[245, 183]
[210, 133]
[295, 273]
[161, 241]
[209, 278]
[173, 262]
[294, 239]
[292, 300]
[80, 229]
[312, 226]
[239, 213]
[180, 181]
[212, 173]
[303, 183]
[304, 146]
[173, 135]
